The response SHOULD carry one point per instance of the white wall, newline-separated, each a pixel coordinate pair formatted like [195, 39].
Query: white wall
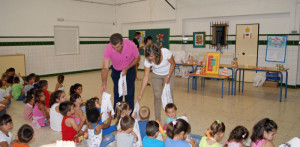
[38, 17]
[274, 17]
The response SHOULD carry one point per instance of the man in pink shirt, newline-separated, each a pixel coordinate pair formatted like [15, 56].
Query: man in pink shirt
[124, 56]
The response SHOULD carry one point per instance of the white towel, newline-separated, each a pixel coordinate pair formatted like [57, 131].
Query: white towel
[122, 85]
[106, 106]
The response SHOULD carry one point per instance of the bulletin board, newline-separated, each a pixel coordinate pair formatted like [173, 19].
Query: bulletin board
[16, 61]
[66, 40]
[212, 63]
[160, 36]
[276, 48]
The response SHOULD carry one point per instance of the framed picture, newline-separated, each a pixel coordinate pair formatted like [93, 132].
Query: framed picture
[199, 39]
[212, 63]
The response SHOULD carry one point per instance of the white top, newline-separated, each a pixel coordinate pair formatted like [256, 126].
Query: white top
[62, 88]
[3, 94]
[93, 139]
[55, 118]
[4, 138]
[164, 67]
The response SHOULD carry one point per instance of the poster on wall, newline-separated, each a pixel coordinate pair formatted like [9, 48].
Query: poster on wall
[199, 39]
[141, 40]
[276, 48]
[247, 32]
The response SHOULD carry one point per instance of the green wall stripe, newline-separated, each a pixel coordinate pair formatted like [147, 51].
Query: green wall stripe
[26, 43]
[94, 42]
[232, 42]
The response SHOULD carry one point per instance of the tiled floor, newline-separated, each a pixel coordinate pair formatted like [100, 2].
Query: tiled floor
[202, 106]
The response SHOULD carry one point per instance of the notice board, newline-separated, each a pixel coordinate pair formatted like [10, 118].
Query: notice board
[160, 36]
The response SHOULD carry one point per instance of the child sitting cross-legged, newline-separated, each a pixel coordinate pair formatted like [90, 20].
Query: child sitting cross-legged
[69, 128]
[25, 135]
[215, 134]
[144, 114]
[126, 136]
[94, 128]
[152, 133]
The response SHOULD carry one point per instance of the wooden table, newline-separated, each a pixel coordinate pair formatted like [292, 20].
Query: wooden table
[212, 76]
[265, 69]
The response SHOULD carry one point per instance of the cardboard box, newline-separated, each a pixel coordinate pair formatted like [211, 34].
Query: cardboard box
[270, 84]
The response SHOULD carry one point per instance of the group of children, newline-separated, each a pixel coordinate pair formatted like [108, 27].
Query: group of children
[78, 120]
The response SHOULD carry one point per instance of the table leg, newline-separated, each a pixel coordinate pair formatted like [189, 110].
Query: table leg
[228, 86]
[222, 88]
[239, 80]
[281, 76]
[232, 76]
[196, 83]
[235, 79]
[243, 81]
[286, 82]
[188, 84]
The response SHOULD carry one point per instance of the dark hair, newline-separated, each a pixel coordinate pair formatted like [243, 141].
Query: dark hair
[10, 79]
[29, 77]
[65, 107]
[216, 127]
[74, 87]
[155, 50]
[238, 134]
[60, 78]
[4, 75]
[177, 126]
[55, 96]
[16, 80]
[43, 83]
[147, 38]
[5, 119]
[137, 33]
[90, 104]
[127, 122]
[93, 115]
[1, 83]
[30, 95]
[120, 106]
[116, 38]
[151, 128]
[37, 95]
[263, 125]
[74, 97]
[25, 133]
[10, 70]
[36, 78]
[170, 106]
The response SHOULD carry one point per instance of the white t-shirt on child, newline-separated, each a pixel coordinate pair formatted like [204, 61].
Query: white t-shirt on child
[3, 94]
[164, 67]
[4, 138]
[55, 118]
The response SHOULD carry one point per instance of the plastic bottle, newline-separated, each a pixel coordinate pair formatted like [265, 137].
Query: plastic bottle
[189, 60]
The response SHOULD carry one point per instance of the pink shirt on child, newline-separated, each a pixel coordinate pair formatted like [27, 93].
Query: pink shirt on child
[28, 112]
[121, 61]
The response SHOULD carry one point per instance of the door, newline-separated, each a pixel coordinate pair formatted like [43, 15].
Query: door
[246, 48]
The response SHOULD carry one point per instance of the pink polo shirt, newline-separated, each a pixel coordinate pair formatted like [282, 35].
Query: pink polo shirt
[123, 59]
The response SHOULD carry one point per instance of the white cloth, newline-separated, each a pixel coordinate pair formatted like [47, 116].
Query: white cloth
[136, 130]
[164, 67]
[106, 106]
[4, 138]
[166, 96]
[55, 118]
[93, 139]
[136, 111]
[62, 88]
[292, 143]
[122, 85]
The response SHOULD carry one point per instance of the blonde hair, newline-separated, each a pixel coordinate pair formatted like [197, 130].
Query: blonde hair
[144, 112]
[120, 107]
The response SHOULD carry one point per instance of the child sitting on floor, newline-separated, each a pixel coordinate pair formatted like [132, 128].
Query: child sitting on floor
[4, 99]
[237, 136]
[36, 81]
[77, 100]
[60, 83]
[263, 133]
[40, 115]
[56, 98]
[28, 86]
[177, 132]
[16, 90]
[25, 135]
[152, 133]
[94, 128]
[29, 100]
[69, 128]
[144, 114]
[126, 137]
[43, 84]
[6, 126]
[216, 133]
